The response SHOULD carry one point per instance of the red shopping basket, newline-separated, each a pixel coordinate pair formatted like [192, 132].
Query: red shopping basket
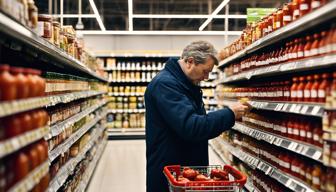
[236, 182]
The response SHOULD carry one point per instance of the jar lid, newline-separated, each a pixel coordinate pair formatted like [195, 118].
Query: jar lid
[56, 23]
[4, 67]
[44, 17]
[16, 70]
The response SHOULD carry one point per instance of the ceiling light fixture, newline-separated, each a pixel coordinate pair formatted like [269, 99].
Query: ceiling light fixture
[95, 11]
[180, 16]
[217, 10]
[97, 32]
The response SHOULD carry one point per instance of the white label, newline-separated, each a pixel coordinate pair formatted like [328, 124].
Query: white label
[304, 7]
[286, 93]
[302, 133]
[286, 165]
[294, 55]
[307, 53]
[313, 93]
[290, 130]
[322, 50]
[296, 12]
[309, 135]
[270, 29]
[306, 93]
[316, 137]
[295, 169]
[283, 129]
[278, 24]
[316, 181]
[279, 93]
[300, 54]
[315, 4]
[293, 94]
[313, 52]
[287, 18]
[40, 28]
[321, 93]
[309, 176]
[295, 131]
[299, 94]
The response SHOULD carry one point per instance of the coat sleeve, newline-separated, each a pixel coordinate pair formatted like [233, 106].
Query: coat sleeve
[179, 113]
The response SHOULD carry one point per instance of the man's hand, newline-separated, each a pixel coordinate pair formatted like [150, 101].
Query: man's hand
[240, 109]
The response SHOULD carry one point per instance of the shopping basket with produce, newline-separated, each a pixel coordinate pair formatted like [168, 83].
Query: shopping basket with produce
[206, 178]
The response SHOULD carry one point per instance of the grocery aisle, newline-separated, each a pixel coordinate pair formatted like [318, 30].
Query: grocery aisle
[124, 161]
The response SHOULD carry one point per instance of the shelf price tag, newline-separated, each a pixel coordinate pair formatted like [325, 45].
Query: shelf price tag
[285, 107]
[293, 107]
[277, 141]
[315, 110]
[285, 144]
[292, 146]
[304, 109]
[278, 107]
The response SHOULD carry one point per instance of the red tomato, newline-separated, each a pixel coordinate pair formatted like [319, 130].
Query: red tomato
[201, 177]
[189, 174]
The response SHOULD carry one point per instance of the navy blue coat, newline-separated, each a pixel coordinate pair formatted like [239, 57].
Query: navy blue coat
[177, 126]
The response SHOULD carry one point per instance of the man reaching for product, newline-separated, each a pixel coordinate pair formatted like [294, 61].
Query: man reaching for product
[177, 125]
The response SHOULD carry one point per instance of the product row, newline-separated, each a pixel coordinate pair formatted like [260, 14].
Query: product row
[315, 88]
[131, 65]
[127, 89]
[296, 165]
[281, 17]
[295, 127]
[121, 120]
[122, 76]
[126, 102]
[17, 166]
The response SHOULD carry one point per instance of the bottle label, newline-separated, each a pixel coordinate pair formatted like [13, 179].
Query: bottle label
[278, 24]
[40, 28]
[294, 55]
[295, 131]
[309, 135]
[315, 4]
[304, 7]
[313, 52]
[279, 94]
[302, 133]
[313, 93]
[287, 18]
[321, 93]
[299, 94]
[300, 54]
[316, 137]
[307, 53]
[306, 93]
[286, 165]
[293, 94]
[322, 50]
[270, 29]
[316, 181]
[283, 129]
[308, 176]
[296, 12]
[295, 169]
[290, 131]
[287, 94]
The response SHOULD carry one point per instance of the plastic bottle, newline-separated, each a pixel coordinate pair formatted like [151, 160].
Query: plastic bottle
[7, 84]
[315, 88]
[294, 89]
[305, 7]
[300, 89]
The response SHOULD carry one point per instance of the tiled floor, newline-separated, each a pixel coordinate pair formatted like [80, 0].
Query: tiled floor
[122, 167]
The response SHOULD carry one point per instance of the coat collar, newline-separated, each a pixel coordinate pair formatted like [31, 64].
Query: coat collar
[174, 68]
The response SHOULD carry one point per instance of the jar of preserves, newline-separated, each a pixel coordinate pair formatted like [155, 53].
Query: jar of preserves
[8, 84]
[44, 26]
[304, 7]
[32, 14]
[287, 13]
[56, 33]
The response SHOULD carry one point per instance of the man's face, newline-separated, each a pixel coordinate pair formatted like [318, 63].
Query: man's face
[199, 72]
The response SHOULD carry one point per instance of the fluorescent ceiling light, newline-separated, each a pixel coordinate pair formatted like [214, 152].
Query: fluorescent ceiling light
[187, 16]
[95, 11]
[76, 16]
[97, 32]
[130, 15]
[217, 10]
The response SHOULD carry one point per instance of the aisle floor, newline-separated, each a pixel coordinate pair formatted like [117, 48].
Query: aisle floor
[122, 167]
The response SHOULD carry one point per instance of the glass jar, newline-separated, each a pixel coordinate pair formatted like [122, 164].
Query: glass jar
[44, 26]
[304, 7]
[56, 33]
[279, 20]
[32, 14]
[287, 13]
[296, 9]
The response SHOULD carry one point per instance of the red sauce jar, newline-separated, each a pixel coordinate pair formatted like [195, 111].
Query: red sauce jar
[296, 9]
[22, 90]
[314, 50]
[317, 135]
[309, 131]
[8, 84]
[295, 166]
[322, 89]
[32, 83]
[12, 126]
[304, 7]
[322, 50]
[21, 168]
[300, 51]
[279, 18]
[315, 88]
[26, 123]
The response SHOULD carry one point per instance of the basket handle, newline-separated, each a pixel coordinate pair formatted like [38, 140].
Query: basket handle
[173, 168]
[241, 178]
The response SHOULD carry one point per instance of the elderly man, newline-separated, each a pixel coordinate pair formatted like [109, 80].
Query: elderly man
[177, 125]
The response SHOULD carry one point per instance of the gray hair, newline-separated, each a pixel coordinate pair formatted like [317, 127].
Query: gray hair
[200, 51]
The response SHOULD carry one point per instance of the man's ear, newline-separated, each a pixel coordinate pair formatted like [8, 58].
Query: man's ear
[190, 62]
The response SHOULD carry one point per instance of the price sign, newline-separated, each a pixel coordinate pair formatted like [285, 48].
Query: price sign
[293, 107]
[285, 144]
[304, 109]
[285, 107]
[278, 107]
[316, 109]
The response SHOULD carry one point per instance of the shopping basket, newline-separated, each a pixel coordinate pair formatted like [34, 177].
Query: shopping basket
[236, 182]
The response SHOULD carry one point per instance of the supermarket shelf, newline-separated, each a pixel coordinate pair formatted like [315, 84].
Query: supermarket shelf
[17, 106]
[126, 111]
[298, 147]
[72, 139]
[126, 133]
[308, 109]
[11, 145]
[295, 66]
[131, 69]
[22, 34]
[124, 130]
[70, 166]
[131, 81]
[310, 20]
[59, 127]
[287, 180]
[89, 172]
[32, 179]
[126, 94]
[207, 85]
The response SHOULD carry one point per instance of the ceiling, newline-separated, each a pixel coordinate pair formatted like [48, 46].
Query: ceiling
[114, 13]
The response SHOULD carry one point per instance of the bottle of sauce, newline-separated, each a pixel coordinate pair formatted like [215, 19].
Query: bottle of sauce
[304, 7]
[303, 129]
[316, 174]
[309, 130]
[7, 84]
[330, 185]
[302, 170]
[300, 50]
[36, 119]
[279, 20]
[294, 89]
[314, 51]
[296, 9]
[309, 177]
[300, 89]
[25, 122]
[323, 43]
[40, 82]
[295, 49]
[315, 88]
[307, 89]
[322, 89]
[270, 24]
[290, 127]
[317, 134]
[31, 83]
[12, 126]
[295, 166]
[307, 47]
[21, 168]
[287, 13]
[296, 128]
[21, 82]
[286, 91]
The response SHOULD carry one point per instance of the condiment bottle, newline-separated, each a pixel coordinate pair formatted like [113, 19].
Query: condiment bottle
[300, 89]
[314, 50]
[322, 89]
[303, 129]
[300, 50]
[33, 14]
[287, 13]
[270, 24]
[279, 18]
[309, 177]
[8, 89]
[25, 122]
[286, 90]
[296, 9]
[315, 4]
[290, 127]
[330, 185]
[32, 83]
[316, 174]
[295, 166]
[296, 129]
[307, 46]
[40, 82]
[317, 134]
[323, 43]
[307, 89]
[304, 7]
[294, 89]
[21, 168]
[22, 91]
[302, 170]
[315, 88]
[12, 126]
[309, 131]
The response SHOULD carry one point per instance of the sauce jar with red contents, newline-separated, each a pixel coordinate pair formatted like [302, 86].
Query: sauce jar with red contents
[304, 7]
[314, 50]
[300, 50]
[12, 126]
[317, 134]
[322, 50]
[32, 83]
[21, 166]
[22, 89]
[307, 47]
[290, 127]
[295, 166]
[279, 19]
[8, 84]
